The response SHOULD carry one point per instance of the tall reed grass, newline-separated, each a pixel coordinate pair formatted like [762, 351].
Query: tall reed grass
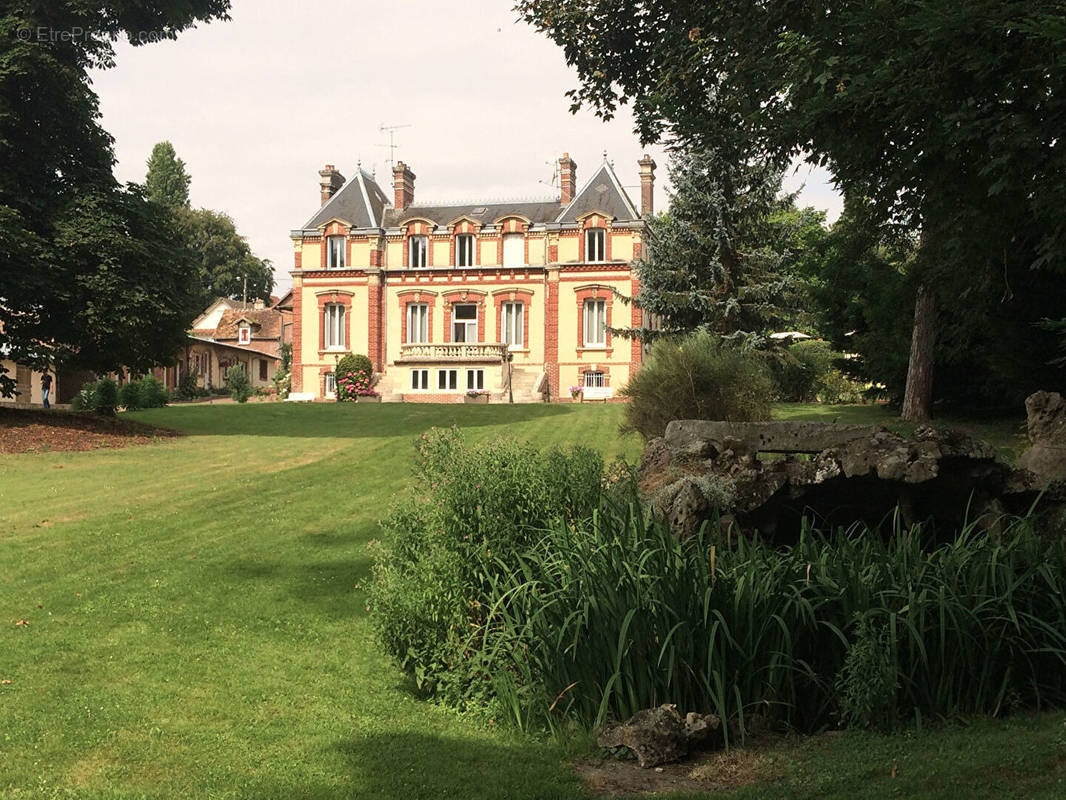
[603, 619]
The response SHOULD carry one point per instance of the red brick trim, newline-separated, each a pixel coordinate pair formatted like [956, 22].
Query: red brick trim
[523, 296]
[551, 334]
[636, 317]
[296, 376]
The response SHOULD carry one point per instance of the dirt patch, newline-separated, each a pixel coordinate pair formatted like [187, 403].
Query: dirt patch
[741, 766]
[39, 431]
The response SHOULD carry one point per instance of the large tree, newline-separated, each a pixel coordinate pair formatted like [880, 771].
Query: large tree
[723, 257]
[56, 181]
[947, 116]
[226, 265]
[167, 181]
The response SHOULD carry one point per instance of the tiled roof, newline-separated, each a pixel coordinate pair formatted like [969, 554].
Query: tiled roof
[268, 321]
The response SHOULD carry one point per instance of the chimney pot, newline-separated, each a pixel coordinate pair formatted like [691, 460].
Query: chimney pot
[567, 179]
[330, 182]
[647, 185]
[403, 184]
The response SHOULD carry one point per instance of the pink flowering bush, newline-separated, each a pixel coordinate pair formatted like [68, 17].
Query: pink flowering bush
[351, 385]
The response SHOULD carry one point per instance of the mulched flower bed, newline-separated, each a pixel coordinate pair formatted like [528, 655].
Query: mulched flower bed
[40, 431]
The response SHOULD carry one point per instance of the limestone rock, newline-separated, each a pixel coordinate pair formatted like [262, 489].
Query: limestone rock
[1046, 459]
[659, 735]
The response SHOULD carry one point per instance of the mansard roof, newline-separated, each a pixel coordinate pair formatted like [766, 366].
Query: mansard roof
[486, 213]
[602, 193]
[360, 203]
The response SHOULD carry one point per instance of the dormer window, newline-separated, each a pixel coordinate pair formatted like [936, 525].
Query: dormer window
[244, 335]
[335, 255]
[464, 250]
[418, 251]
[595, 244]
[514, 250]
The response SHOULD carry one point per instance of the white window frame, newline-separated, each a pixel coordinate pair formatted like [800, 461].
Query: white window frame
[419, 380]
[594, 380]
[417, 323]
[468, 324]
[520, 238]
[594, 321]
[475, 380]
[336, 255]
[329, 388]
[512, 324]
[244, 335]
[417, 256]
[595, 245]
[447, 380]
[464, 249]
[335, 321]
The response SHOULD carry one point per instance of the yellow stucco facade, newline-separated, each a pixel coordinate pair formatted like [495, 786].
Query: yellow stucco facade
[510, 301]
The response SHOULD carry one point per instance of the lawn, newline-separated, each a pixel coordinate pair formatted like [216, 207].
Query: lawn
[195, 627]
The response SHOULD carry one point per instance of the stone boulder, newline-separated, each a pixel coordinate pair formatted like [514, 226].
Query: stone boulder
[1046, 459]
[659, 735]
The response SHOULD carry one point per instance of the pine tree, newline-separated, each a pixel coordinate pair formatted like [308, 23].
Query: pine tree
[167, 181]
[720, 258]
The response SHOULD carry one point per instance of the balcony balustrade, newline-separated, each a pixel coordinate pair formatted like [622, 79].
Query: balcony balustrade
[453, 351]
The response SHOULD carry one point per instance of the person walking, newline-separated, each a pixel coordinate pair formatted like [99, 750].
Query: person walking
[46, 388]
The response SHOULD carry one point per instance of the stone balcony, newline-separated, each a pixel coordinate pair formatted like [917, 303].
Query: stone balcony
[488, 352]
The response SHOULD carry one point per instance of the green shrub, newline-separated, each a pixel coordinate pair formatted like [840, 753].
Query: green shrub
[476, 506]
[101, 396]
[129, 395]
[237, 384]
[188, 385]
[354, 362]
[616, 614]
[152, 392]
[805, 372]
[696, 377]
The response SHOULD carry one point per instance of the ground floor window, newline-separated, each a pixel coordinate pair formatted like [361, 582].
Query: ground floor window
[475, 379]
[262, 369]
[595, 379]
[447, 379]
[331, 383]
[419, 379]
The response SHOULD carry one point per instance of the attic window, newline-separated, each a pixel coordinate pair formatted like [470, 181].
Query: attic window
[594, 244]
[335, 255]
[244, 335]
[479, 210]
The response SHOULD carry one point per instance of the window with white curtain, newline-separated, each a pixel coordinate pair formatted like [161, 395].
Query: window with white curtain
[335, 255]
[417, 251]
[336, 334]
[512, 323]
[595, 244]
[464, 250]
[464, 322]
[417, 323]
[595, 323]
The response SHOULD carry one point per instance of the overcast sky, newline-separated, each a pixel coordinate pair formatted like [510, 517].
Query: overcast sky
[257, 105]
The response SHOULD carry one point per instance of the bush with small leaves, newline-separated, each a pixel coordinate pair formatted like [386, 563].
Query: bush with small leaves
[237, 383]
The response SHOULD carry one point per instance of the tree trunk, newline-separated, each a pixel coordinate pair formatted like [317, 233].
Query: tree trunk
[918, 397]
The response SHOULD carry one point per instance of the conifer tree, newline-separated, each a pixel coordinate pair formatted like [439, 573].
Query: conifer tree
[167, 181]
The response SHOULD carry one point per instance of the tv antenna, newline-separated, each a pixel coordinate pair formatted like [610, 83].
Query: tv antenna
[392, 140]
[554, 182]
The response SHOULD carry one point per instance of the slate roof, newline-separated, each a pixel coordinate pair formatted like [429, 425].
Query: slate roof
[602, 193]
[485, 213]
[360, 203]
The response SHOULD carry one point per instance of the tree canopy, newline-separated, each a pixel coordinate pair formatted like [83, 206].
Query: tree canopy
[226, 265]
[57, 192]
[944, 117]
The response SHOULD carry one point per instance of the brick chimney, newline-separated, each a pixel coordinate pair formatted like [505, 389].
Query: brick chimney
[647, 185]
[403, 184]
[331, 182]
[567, 178]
